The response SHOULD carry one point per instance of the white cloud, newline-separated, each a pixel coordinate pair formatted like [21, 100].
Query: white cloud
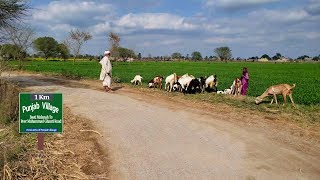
[156, 43]
[236, 4]
[105, 27]
[80, 14]
[224, 29]
[312, 35]
[170, 42]
[101, 28]
[313, 7]
[154, 21]
[220, 40]
[282, 16]
[60, 27]
[144, 22]
[299, 35]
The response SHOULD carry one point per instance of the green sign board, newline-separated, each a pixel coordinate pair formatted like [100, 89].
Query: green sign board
[40, 113]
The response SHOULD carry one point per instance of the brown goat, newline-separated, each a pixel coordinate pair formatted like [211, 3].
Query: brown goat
[156, 82]
[236, 87]
[284, 89]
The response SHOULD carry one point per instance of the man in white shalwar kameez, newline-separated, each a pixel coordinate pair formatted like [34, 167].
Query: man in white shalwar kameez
[106, 68]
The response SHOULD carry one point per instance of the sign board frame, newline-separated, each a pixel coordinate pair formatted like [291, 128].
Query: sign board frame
[47, 105]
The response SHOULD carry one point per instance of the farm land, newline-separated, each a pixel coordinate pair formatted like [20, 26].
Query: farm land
[262, 75]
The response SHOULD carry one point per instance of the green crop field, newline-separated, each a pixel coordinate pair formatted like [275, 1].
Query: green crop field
[306, 76]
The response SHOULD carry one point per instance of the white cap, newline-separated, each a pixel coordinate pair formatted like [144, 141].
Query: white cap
[106, 52]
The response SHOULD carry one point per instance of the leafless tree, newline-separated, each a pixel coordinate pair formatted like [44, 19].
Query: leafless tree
[22, 37]
[75, 40]
[114, 41]
[11, 11]
[3, 64]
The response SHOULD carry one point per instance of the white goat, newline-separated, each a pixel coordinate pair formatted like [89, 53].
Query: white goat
[185, 81]
[211, 81]
[170, 80]
[137, 80]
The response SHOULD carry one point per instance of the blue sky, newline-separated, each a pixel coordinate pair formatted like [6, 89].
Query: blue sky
[162, 27]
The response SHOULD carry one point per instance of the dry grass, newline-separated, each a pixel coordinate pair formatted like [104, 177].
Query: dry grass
[305, 115]
[75, 154]
[302, 115]
[9, 102]
[301, 121]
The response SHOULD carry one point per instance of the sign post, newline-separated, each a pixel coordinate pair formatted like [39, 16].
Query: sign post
[40, 113]
[40, 138]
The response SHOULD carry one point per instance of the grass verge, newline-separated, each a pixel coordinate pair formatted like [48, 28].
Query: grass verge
[305, 115]
[75, 154]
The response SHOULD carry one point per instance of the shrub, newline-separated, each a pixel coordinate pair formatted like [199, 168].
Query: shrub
[71, 75]
[9, 102]
[116, 79]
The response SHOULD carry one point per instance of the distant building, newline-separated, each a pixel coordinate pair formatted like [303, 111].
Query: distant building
[308, 59]
[263, 60]
[283, 59]
[130, 59]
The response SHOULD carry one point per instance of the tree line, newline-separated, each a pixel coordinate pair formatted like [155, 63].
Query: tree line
[196, 56]
[49, 47]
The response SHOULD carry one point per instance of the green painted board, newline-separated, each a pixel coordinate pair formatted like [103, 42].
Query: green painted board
[40, 113]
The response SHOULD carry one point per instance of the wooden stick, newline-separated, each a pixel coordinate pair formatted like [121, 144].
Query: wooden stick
[40, 141]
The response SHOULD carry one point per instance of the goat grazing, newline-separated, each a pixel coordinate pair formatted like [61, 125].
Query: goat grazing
[137, 80]
[211, 83]
[170, 80]
[236, 87]
[184, 81]
[284, 89]
[156, 82]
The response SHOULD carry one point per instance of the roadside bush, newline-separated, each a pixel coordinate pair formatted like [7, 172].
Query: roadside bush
[3, 66]
[116, 79]
[71, 75]
[9, 110]
[9, 102]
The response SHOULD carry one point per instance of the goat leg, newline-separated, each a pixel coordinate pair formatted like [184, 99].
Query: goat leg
[290, 96]
[275, 98]
[284, 98]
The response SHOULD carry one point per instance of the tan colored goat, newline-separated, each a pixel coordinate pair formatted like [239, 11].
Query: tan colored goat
[284, 89]
[236, 87]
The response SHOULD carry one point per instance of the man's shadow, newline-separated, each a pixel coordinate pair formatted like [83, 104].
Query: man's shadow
[117, 88]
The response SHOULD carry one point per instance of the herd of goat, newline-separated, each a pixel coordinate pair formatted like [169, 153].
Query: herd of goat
[189, 84]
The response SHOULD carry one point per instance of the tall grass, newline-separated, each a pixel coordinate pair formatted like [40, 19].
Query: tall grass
[9, 102]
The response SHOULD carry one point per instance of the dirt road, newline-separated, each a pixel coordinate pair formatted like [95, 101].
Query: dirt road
[150, 138]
